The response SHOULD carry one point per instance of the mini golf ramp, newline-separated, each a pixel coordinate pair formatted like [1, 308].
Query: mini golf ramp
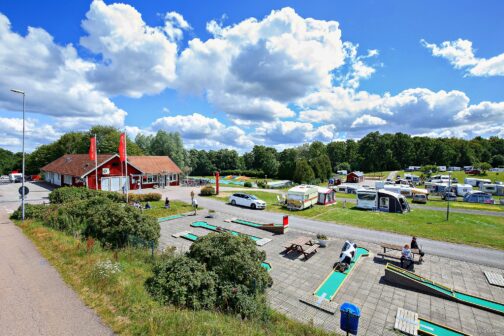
[403, 278]
[409, 323]
[259, 241]
[273, 228]
[323, 295]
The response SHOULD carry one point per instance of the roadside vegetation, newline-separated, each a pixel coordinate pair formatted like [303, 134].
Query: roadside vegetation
[477, 230]
[217, 288]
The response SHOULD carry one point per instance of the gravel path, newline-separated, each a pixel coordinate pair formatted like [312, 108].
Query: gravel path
[490, 257]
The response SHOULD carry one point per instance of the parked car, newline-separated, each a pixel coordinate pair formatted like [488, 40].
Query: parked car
[478, 197]
[4, 179]
[247, 200]
[449, 196]
[419, 198]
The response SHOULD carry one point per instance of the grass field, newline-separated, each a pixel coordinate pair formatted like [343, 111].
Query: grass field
[122, 301]
[158, 210]
[477, 230]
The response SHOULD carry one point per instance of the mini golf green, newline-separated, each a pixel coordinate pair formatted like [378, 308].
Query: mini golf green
[211, 227]
[430, 328]
[458, 296]
[164, 219]
[333, 282]
[244, 222]
[267, 266]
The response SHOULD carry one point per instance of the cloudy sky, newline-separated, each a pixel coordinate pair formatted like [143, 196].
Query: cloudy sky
[277, 73]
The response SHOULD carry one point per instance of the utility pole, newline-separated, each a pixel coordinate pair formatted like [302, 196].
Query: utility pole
[23, 168]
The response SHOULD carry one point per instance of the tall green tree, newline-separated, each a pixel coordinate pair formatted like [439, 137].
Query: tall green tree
[336, 151]
[303, 172]
[287, 163]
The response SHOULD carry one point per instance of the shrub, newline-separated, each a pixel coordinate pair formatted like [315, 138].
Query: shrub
[207, 191]
[262, 184]
[247, 184]
[236, 262]
[72, 194]
[116, 224]
[321, 236]
[32, 211]
[184, 282]
[149, 197]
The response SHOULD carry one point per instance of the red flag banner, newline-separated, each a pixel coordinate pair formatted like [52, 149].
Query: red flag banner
[122, 147]
[92, 149]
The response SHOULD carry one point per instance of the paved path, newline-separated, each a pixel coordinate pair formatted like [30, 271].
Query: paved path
[34, 300]
[490, 257]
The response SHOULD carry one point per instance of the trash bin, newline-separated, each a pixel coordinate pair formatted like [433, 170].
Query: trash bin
[349, 320]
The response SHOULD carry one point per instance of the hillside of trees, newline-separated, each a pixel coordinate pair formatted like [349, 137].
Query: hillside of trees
[374, 152]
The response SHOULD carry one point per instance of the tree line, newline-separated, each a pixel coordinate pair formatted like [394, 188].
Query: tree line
[305, 163]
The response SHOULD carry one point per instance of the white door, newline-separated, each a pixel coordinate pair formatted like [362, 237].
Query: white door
[105, 183]
[115, 183]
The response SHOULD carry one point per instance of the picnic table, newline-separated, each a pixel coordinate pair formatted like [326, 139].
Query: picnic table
[386, 247]
[304, 245]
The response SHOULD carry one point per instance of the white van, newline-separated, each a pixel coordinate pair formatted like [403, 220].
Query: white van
[12, 177]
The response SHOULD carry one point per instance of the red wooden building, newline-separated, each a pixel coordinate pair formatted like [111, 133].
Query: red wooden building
[355, 177]
[143, 172]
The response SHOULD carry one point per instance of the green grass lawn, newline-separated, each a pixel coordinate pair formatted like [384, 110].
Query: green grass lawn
[122, 301]
[477, 230]
[158, 210]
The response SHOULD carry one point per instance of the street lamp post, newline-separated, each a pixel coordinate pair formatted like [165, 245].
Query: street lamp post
[23, 168]
[448, 198]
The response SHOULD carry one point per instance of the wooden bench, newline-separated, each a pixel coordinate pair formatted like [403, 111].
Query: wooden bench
[399, 248]
[310, 250]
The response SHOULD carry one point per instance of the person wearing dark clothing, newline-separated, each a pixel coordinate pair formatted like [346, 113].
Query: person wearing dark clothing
[147, 205]
[167, 203]
[414, 245]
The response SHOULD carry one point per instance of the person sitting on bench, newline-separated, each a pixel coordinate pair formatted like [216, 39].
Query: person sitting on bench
[406, 257]
[414, 245]
[346, 256]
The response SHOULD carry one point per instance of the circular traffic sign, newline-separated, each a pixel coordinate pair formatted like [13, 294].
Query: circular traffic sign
[26, 190]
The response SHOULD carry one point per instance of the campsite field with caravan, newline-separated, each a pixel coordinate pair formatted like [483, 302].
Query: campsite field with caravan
[477, 230]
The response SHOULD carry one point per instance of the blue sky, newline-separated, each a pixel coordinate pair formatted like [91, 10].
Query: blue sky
[278, 73]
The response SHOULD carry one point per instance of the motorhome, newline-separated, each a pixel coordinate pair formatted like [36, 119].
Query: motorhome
[500, 190]
[442, 168]
[454, 169]
[382, 200]
[345, 188]
[436, 188]
[413, 168]
[440, 178]
[476, 182]
[302, 197]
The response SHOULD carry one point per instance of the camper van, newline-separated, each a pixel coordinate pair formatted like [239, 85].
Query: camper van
[475, 182]
[415, 179]
[13, 177]
[302, 197]
[382, 200]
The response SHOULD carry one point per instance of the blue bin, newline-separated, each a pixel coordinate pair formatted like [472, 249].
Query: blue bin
[349, 320]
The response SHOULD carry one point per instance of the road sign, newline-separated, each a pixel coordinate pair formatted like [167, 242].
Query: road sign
[26, 191]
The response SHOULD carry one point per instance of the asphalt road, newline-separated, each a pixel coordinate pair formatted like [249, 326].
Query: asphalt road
[490, 257]
[34, 300]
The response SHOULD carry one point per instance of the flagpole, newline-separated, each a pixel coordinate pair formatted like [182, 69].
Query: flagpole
[96, 161]
[126, 165]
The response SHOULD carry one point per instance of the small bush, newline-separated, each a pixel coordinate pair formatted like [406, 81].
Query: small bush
[149, 197]
[184, 282]
[32, 211]
[72, 194]
[321, 236]
[116, 224]
[247, 184]
[207, 191]
[262, 184]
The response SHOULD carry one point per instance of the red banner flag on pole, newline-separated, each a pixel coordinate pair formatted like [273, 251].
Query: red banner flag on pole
[92, 149]
[122, 147]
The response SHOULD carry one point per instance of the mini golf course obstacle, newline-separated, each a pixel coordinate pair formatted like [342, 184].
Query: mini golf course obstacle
[403, 278]
[323, 295]
[274, 228]
[494, 279]
[192, 237]
[259, 241]
[409, 323]
[169, 218]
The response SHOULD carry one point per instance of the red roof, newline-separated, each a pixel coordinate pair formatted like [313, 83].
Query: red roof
[75, 164]
[154, 164]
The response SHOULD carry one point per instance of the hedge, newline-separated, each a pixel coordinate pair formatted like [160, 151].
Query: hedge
[244, 172]
[149, 197]
[207, 191]
[71, 194]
